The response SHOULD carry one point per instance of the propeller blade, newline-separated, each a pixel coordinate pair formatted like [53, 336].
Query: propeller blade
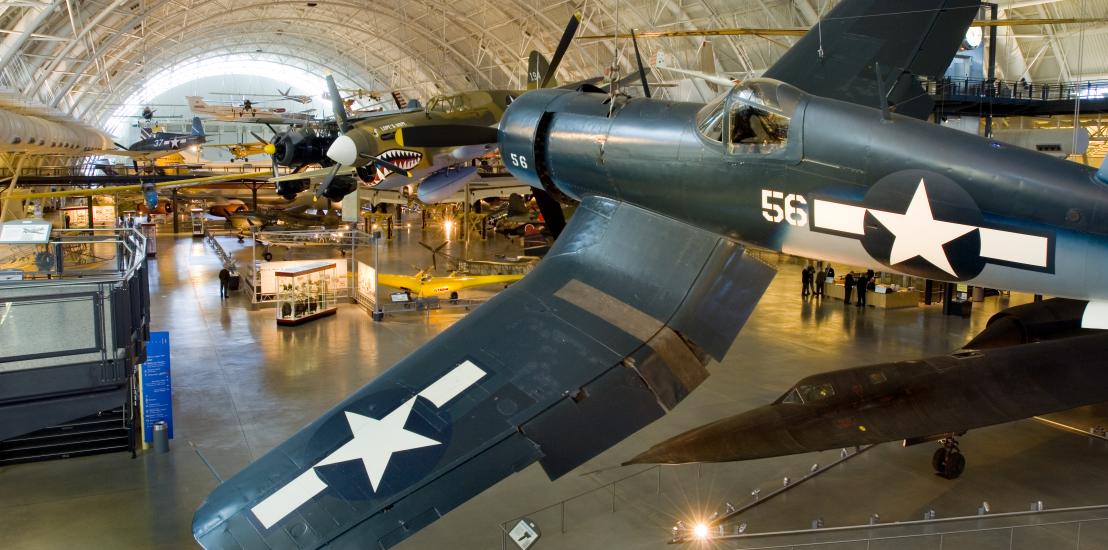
[337, 105]
[327, 180]
[427, 246]
[392, 167]
[273, 163]
[445, 135]
[642, 71]
[551, 211]
[563, 45]
[259, 138]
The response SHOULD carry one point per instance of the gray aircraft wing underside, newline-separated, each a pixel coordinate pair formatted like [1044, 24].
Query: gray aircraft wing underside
[907, 38]
[611, 330]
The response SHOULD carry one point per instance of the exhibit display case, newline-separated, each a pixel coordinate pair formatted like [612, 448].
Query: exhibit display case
[305, 293]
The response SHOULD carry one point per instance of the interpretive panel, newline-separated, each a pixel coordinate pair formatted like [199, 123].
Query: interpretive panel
[157, 391]
[25, 232]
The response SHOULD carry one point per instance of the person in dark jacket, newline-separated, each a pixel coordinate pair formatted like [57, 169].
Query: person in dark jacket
[830, 273]
[821, 278]
[849, 281]
[224, 282]
[805, 281]
[863, 283]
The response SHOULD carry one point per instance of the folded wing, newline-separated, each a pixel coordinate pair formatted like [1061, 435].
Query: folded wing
[613, 328]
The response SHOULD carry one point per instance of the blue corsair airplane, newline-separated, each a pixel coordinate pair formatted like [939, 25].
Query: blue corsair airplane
[650, 280]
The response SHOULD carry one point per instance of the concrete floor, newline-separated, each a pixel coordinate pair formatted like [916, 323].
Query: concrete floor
[241, 386]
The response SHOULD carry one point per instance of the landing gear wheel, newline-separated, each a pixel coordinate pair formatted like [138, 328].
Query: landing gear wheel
[948, 461]
[268, 256]
[453, 295]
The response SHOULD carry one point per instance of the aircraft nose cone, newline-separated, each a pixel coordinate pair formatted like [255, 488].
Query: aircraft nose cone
[270, 149]
[343, 151]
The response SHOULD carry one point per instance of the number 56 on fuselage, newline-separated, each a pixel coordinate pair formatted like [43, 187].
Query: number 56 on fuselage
[772, 166]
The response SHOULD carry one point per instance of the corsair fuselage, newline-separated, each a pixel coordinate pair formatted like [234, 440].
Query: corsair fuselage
[844, 185]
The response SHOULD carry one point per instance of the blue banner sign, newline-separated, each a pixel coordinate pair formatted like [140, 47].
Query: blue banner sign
[157, 394]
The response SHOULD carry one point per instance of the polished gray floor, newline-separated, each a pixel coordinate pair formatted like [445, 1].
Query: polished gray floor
[242, 385]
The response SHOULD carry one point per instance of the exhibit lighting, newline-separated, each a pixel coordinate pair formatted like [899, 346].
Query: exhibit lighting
[448, 228]
[701, 531]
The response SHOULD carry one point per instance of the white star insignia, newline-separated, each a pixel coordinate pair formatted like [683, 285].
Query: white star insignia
[918, 233]
[375, 441]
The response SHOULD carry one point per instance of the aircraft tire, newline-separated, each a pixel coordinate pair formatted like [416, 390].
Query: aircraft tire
[453, 295]
[268, 256]
[948, 463]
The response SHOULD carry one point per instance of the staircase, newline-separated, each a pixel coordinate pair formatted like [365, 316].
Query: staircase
[103, 432]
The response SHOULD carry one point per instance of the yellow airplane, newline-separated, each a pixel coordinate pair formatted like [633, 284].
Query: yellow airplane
[240, 151]
[424, 285]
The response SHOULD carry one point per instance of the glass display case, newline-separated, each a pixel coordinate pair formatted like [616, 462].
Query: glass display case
[305, 292]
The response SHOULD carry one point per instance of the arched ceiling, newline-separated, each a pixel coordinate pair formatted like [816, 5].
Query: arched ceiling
[82, 56]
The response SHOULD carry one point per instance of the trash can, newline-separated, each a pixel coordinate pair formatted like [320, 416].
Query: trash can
[233, 282]
[161, 437]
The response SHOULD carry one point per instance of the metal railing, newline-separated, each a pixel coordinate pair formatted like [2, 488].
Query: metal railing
[71, 335]
[961, 88]
[1030, 529]
[67, 308]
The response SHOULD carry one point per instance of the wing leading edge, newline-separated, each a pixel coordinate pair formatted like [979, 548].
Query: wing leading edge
[612, 329]
[907, 38]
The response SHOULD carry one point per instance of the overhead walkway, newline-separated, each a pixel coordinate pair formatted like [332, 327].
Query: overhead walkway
[969, 97]
[71, 334]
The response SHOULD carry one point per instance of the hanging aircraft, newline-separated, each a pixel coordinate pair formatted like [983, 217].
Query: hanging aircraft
[431, 146]
[248, 111]
[650, 280]
[240, 151]
[156, 144]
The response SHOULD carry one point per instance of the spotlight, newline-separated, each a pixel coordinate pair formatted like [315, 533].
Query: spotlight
[701, 531]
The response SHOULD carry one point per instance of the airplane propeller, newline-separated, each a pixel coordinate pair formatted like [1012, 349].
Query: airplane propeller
[343, 141]
[445, 135]
[563, 45]
[434, 253]
[270, 149]
[642, 71]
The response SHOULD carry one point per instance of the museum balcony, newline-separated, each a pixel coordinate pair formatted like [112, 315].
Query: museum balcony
[954, 96]
[74, 318]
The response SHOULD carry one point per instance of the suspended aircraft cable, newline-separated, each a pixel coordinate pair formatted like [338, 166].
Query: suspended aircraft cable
[1080, 71]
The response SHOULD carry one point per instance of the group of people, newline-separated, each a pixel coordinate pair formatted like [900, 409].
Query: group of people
[812, 281]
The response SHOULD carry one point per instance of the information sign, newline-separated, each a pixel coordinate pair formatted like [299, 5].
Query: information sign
[25, 232]
[157, 394]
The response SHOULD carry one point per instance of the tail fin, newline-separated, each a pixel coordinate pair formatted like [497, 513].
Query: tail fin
[197, 127]
[401, 101]
[537, 67]
[196, 103]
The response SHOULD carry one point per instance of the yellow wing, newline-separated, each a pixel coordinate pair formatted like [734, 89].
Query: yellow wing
[443, 285]
[132, 188]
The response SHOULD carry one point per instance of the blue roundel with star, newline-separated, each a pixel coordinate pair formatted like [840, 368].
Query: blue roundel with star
[923, 223]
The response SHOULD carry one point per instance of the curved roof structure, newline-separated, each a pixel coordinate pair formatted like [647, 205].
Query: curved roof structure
[82, 57]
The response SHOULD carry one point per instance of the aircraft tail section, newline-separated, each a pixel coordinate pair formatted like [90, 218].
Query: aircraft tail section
[537, 67]
[401, 101]
[197, 127]
[907, 39]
